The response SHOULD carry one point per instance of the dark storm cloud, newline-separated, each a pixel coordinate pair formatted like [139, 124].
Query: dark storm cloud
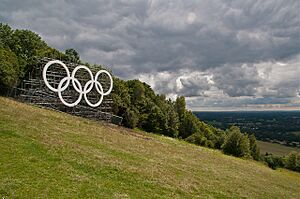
[237, 80]
[197, 48]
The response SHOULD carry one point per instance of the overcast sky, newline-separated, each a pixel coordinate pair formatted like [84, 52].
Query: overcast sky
[221, 55]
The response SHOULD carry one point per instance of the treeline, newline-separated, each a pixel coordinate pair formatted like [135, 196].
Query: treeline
[19, 50]
[141, 108]
[291, 161]
[135, 101]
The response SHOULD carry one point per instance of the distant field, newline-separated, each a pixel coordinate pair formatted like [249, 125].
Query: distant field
[296, 133]
[48, 154]
[275, 149]
[264, 124]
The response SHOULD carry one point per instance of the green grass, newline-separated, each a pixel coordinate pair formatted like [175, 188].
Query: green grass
[297, 133]
[48, 154]
[275, 149]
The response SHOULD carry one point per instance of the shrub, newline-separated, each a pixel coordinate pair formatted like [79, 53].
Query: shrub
[254, 149]
[292, 161]
[131, 118]
[196, 138]
[9, 70]
[236, 143]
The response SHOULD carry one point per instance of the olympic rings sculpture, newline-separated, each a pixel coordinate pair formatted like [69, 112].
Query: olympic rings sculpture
[77, 85]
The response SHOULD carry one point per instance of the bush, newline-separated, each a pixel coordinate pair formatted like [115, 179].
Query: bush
[131, 118]
[254, 149]
[270, 162]
[209, 144]
[292, 161]
[9, 70]
[236, 143]
[196, 138]
[273, 161]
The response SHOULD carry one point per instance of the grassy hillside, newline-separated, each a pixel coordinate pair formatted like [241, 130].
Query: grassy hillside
[47, 153]
[275, 149]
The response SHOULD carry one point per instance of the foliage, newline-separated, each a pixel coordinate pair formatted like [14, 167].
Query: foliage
[5, 35]
[273, 161]
[131, 118]
[9, 70]
[140, 107]
[292, 161]
[254, 149]
[19, 50]
[236, 143]
[72, 55]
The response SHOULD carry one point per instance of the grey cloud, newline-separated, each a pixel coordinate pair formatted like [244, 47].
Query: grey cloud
[180, 83]
[160, 41]
[237, 80]
[160, 34]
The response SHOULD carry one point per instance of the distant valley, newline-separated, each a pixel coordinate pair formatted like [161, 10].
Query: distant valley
[282, 127]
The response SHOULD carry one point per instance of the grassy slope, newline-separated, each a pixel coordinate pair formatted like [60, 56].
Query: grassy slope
[46, 153]
[276, 149]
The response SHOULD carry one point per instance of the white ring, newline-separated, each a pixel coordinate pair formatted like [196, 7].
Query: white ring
[45, 74]
[85, 96]
[60, 91]
[111, 82]
[73, 78]
[77, 85]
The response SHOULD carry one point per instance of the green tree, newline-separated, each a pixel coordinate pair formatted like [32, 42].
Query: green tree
[172, 122]
[9, 70]
[27, 44]
[293, 161]
[220, 135]
[254, 149]
[271, 162]
[180, 107]
[137, 91]
[6, 33]
[72, 55]
[189, 125]
[131, 118]
[120, 96]
[236, 143]
[197, 139]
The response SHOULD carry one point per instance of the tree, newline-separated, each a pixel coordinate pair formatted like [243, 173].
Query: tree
[9, 70]
[254, 149]
[27, 44]
[236, 143]
[189, 125]
[120, 96]
[157, 120]
[137, 91]
[72, 55]
[131, 118]
[180, 107]
[6, 35]
[273, 161]
[220, 135]
[172, 122]
[197, 139]
[293, 161]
